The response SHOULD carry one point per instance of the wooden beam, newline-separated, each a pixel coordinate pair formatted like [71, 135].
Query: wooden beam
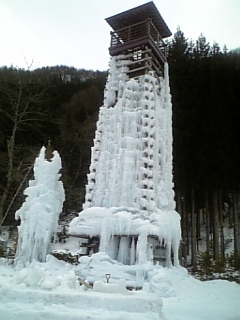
[129, 55]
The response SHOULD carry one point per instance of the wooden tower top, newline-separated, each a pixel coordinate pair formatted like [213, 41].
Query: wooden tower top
[139, 14]
[139, 32]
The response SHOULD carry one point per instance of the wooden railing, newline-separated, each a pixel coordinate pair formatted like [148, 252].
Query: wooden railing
[144, 29]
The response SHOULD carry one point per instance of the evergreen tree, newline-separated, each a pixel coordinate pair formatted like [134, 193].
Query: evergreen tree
[202, 47]
[205, 265]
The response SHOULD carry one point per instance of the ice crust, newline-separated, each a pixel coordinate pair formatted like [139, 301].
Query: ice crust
[130, 188]
[40, 212]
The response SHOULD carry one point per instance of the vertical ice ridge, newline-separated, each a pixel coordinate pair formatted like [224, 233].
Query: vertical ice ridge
[131, 162]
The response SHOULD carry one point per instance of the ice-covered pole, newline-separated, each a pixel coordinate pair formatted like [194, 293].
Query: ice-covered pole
[40, 212]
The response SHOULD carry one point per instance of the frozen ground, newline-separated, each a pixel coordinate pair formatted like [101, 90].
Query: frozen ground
[51, 291]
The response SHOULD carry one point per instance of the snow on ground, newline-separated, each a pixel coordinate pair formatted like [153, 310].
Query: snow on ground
[51, 291]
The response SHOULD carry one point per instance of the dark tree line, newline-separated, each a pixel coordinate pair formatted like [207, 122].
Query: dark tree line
[205, 85]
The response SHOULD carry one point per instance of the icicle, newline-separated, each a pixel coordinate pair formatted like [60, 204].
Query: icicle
[133, 252]
[113, 247]
[123, 254]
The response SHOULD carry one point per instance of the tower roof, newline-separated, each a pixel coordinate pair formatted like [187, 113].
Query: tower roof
[137, 14]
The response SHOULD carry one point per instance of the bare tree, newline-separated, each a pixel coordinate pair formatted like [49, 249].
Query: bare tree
[21, 107]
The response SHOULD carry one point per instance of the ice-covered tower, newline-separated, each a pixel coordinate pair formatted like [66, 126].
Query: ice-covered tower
[129, 209]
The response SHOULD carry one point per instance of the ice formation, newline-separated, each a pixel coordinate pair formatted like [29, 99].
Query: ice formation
[130, 189]
[40, 212]
[120, 287]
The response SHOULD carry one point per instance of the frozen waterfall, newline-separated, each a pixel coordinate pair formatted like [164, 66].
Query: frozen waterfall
[131, 161]
[130, 188]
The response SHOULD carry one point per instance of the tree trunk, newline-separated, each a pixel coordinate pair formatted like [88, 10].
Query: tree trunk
[11, 147]
[220, 211]
[188, 227]
[198, 224]
[236, 219]
[230, 217]
[238, 226]
[215, 226]
[207, 222]
[193, 233]
[182, 212]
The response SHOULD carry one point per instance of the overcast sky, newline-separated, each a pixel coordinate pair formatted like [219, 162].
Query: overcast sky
[75, 33]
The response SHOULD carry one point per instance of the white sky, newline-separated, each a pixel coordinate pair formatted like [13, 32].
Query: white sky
[74, 32]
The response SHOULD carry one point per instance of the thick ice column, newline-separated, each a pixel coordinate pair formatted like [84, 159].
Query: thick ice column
[40, 212]
[169, 141]
[133, 252]
[113, 247]
[142, 248]
[123, 254]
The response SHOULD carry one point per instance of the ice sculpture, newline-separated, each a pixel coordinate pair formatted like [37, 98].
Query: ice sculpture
[40, 212]
[129, 200]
